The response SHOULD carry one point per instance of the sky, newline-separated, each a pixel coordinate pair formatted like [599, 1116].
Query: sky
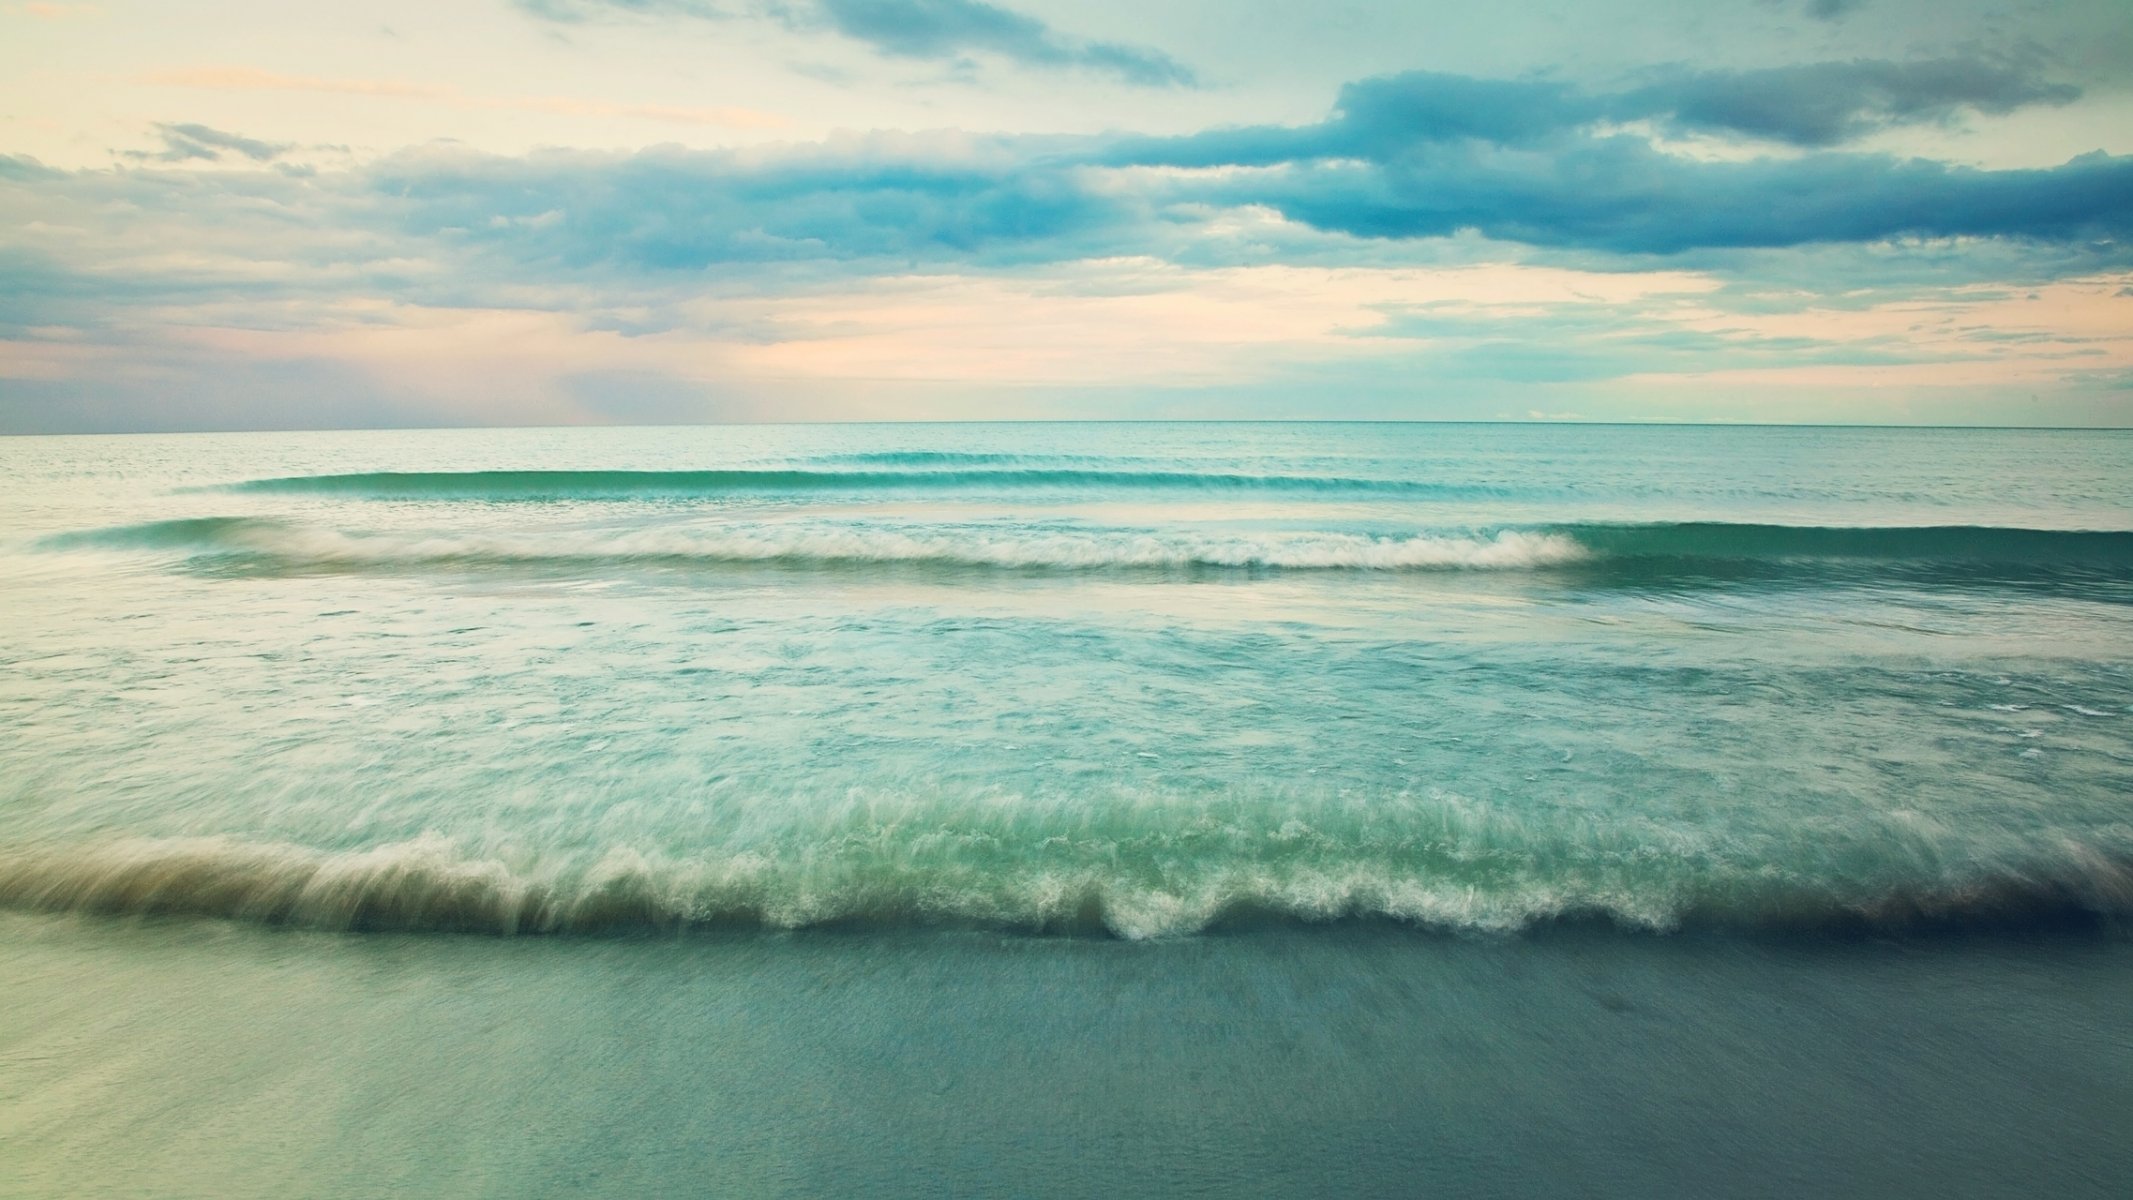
[243, 214]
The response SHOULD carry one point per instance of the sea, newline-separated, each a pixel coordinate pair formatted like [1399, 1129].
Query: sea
[1021, 809]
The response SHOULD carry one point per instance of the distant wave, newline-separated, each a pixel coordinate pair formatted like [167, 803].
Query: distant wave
[667, 485]
[428, 884]
[1930, 543]
[1631, 551]
[184, 533]
[965, 458]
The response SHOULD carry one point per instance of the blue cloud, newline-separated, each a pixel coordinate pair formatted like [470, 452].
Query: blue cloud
[1619, 194]
[677, 210]
[1811, 106]
[1831, 10]
[578, 10]
[1822, 104]
[17, 168]
[1030, 200]
[935, 30]
[944, 29]
[200, 143]
[1427, 155]
[1406, 167]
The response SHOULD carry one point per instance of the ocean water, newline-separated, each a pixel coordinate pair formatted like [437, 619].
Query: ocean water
[1068, 809]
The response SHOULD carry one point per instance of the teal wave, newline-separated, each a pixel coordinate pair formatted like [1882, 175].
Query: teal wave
[657, 485]
[1592, 550]
[964, 458]
[1933, 543]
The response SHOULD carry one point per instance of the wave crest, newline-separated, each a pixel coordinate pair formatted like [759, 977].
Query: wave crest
[428, 885]
[1604, 554]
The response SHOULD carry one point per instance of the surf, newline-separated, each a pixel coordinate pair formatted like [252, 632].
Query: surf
[1596, 552]
[433, 884]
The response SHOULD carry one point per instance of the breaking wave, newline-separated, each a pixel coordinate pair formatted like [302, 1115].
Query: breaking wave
[430, 885]
[268, 545]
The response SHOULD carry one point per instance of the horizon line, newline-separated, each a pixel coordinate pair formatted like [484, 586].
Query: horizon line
[1616, 424]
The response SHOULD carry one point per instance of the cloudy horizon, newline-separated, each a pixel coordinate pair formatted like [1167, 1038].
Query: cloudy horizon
[535, 212]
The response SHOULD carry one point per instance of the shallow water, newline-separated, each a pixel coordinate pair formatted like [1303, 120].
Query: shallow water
[205, 1059]
[1283, 716]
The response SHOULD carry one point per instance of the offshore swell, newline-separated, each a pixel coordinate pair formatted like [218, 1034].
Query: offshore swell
[621, 485]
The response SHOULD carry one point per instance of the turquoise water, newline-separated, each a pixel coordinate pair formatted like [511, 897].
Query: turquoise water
[1259, 707]
[1135, 679]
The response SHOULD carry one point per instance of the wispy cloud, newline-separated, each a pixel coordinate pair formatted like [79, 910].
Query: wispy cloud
[947, 29]
[199, 143]
[932, 30]
[247, 79]
[1823, 104]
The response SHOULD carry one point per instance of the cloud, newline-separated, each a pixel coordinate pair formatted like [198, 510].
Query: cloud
[1407, 169]
[947, 29]
[1619, 194]
[1428, 155]
[1431, 107]
[895, 200]
[1823, 104]
[1831, 10]
[1403, 167]
[191, 143]
[574, 11]
[931, 30]
[1812, 106]
[933, 275]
